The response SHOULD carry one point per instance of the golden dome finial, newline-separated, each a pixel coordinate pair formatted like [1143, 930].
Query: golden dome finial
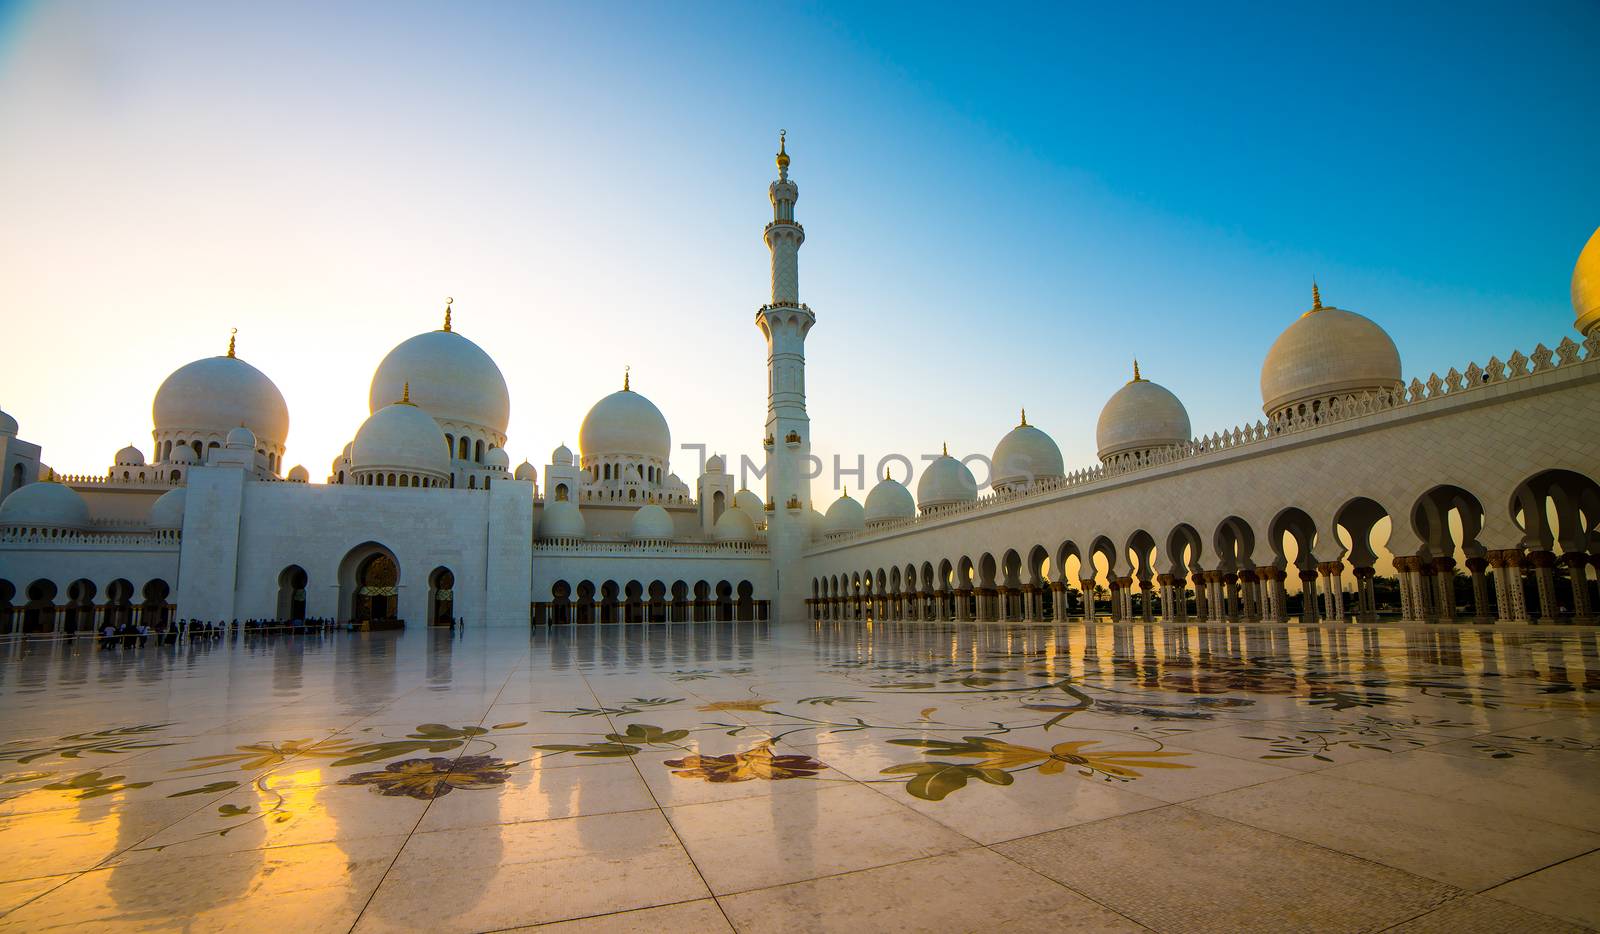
[625, 369]
[1136, 377]
[231, 335]
[448, 301]
[947, 449]
[1316, 296]
[783, 156]
[1024, 417]
[845, 494]
[405, 394]
[886, 472]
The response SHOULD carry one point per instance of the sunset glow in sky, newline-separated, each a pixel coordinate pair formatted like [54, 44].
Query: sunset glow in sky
[1000, 211]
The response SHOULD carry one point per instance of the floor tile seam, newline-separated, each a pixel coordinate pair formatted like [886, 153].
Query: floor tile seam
[893, 864]
[356, 919]
[1465, 896]
[71, 877]
[1084, 895]
[536, 820]
[1370, 861]
[600, 914]
[1327, 773]
[671, 828]
[1559, 862]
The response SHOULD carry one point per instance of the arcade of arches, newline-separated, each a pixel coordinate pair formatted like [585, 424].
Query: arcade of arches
[1237, 572]
[657, 602]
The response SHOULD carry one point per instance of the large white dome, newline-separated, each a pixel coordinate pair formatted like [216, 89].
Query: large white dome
[45, 505]
[561, 520]
[166, 512]
[889, 501]
[845, 515]
[1586, 286]
[218, 394]
[451, 378]
[651, 524]
[735, 525]
[1025, 455]
[750, 503]
[1140, 416]
[401, 438]
[944, 482]
[1327, 352]
[625, 423]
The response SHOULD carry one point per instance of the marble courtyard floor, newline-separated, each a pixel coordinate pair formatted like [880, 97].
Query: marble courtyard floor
[823, 777]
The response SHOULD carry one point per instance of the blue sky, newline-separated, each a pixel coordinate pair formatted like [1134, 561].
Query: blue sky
[1001, 210]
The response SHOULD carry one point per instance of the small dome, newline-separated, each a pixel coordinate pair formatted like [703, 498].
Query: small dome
[945, 482]
[298, 474]
[751, 504]
[889, 501]
[217, 394]
[167, 511]
[735, 525]
[561, 456]
[675, 484]
[1585, 287]
[451, 379]
[716, 463]
[1140, 416]
[45, 504]
[8, 425]
[562, 520]
[497, 459]
[526, 471]
[1025, 455]
[845, 515]
[183, 456]
[816, 524]
[130, 456]
[625, 423]
[1327, 352]
[241, 438]
[401, 437]
[651, 524]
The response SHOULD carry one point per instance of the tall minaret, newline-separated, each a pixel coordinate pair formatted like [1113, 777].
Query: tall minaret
[784, 322]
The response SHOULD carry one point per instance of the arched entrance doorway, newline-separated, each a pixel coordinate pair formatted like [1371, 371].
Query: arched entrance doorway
[292, 593]
[369, 585]
[441, 597]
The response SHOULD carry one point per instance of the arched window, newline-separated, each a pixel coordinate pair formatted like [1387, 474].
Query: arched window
[405, 480]
[450, 441]
[462, 454]
[177, 475]
[391, 480]
[166, 451]
[477, 456]
[341, 477]
[16, 476]
[607, 469]
[561, 492]
[487, 481]
[124, 475]
[472, 483]
[198, 454]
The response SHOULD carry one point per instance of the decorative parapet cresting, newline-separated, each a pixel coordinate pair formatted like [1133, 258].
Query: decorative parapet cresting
[1339, 410]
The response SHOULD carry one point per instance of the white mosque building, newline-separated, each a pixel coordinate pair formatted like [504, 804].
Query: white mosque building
[1484, 475]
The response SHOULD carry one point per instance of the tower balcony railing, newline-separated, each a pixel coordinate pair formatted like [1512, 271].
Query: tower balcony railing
[1568, 357]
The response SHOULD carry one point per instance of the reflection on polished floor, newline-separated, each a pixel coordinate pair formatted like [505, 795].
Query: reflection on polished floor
[841, 776]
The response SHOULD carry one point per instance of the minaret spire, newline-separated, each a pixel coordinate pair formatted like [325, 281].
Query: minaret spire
[784, 322]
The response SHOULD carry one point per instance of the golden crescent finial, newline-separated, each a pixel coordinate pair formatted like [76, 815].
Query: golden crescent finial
[1136, 377]
[232, 333]
[1316, 295]
[448, 301]
[626, 369]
